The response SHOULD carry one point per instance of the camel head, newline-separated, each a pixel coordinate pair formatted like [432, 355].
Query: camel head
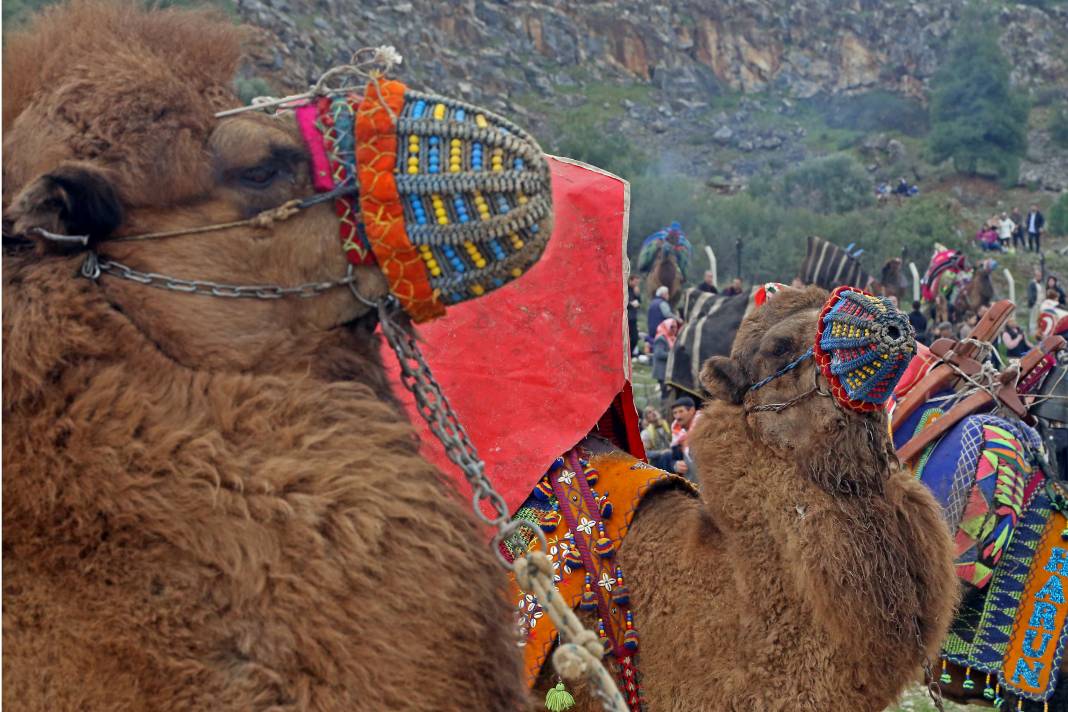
[114, 133]
[811, 408]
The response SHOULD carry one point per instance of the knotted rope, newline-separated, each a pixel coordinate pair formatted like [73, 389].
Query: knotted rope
[580, 657]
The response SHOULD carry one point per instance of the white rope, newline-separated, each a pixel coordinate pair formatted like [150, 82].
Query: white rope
[580, 651]
[381, 60]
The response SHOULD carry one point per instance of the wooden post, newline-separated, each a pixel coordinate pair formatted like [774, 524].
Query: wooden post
[915, 281]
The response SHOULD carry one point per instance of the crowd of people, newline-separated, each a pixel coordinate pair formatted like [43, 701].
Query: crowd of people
[1009, 231]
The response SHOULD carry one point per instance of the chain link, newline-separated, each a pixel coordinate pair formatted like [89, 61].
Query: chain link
[436, 410]
[934, 690]
[433, 406]
[95, 265]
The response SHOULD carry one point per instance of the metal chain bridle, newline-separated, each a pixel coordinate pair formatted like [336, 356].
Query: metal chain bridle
[94, 266]
[581, 651]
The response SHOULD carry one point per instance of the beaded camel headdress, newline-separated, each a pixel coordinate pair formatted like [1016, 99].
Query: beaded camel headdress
[863, 346]
[453, 200]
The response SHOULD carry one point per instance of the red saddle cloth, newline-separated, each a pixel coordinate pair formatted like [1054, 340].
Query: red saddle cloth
[532, 368]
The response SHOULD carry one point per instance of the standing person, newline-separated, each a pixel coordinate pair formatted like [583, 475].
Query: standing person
[666, 332]
[659, 309]
[1035, 288]
[1005, 229]
[735, 288]
[918, 321]
[634, 303]
[1018, 234]
[1051, 285]
[709, 285]
[1013, 340]
[1035, 221]
[656, 437]
[684, 414]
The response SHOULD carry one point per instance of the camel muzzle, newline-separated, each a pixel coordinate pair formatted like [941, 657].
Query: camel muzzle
[863, 346]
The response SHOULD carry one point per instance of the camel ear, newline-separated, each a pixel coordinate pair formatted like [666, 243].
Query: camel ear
[723, 379]
[73, 199]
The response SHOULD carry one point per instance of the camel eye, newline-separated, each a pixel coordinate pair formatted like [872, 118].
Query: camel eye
[779, 347]
[258, 176]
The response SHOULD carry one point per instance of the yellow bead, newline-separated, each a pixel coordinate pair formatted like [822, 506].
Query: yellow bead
[516, 272]
[413, 169]
[439, 112]
[443, 221]
[518, 244]
[435, 271]
[432, 264]
[480, 263]
[456, 143]
[477, 289]
[480, 121]
[522, 199]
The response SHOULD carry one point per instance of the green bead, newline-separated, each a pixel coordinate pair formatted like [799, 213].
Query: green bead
[988, 693]
[946, 678]
[969, 684]
[998, 702]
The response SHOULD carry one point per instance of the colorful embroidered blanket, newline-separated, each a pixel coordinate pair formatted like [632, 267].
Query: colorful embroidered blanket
[979, 472]
[943, 261]
[602, 493]
[1014, 630]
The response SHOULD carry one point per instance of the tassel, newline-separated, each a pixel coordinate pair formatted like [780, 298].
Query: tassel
[605, 507]
[630, 636]
[1064, 535]
[603, 546]
[591, 476]
[589, 601]
[559, 699]
[572, 558]
[998, 702]
[988, 691]
[969, 684]
[946, 678]
[550, 521]
[620, 594]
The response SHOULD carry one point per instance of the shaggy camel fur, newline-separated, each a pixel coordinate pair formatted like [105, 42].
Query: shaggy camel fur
[208, 503]
[665, 273]
[813, 573]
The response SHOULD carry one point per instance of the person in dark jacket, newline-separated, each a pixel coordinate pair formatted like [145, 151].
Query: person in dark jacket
[662, 343]
[1035, 288]
[709, 285]
[918, 321]
[659, 309]
[1013, 339]
[1051, 285]
[634, 303]
[1033, 224]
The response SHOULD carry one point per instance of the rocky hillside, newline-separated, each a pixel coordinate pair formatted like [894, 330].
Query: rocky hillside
[718, 89]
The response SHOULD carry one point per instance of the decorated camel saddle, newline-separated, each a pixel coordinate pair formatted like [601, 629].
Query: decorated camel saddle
[967, 431]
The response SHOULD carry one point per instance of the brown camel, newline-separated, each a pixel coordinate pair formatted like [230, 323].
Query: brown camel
[812, 573]
[665, 273]
[209, 504]
[891, 281]
[976, 292]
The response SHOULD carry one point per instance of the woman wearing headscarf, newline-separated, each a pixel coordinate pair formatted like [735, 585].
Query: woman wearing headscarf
[662, 343]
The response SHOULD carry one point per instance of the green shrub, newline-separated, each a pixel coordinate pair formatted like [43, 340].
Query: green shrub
[1058, 216]
[252, 87]
[872, 112]
[1058, 126]
[591, 143]
[830, 184]
[977, 120]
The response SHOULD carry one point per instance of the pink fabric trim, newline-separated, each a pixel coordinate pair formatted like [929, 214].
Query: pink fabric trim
[320, 166]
